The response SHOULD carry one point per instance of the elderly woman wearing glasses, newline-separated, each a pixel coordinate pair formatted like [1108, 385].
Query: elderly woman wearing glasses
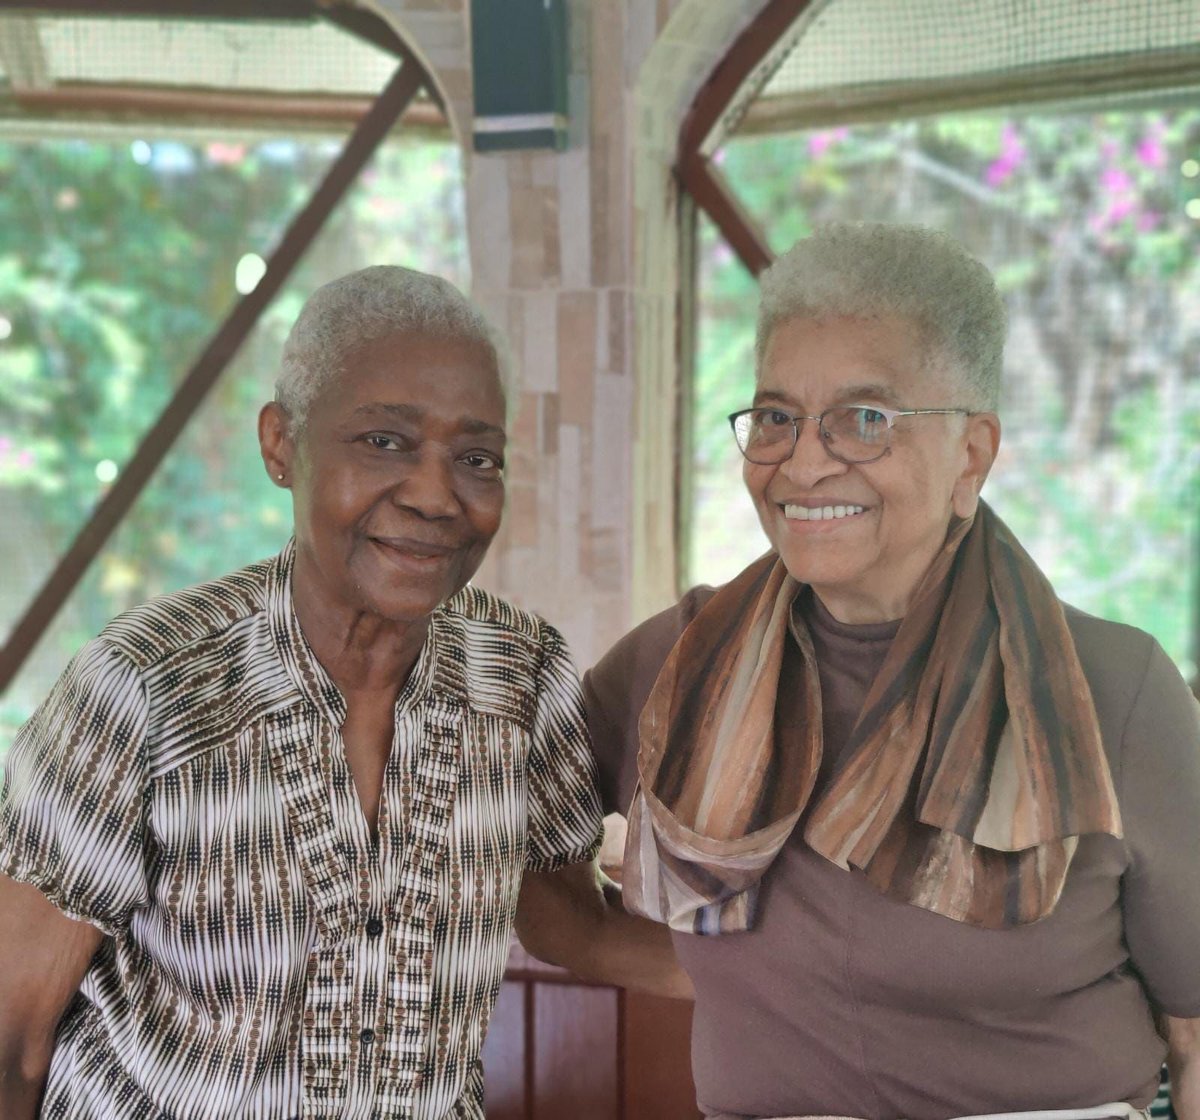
[927, 837]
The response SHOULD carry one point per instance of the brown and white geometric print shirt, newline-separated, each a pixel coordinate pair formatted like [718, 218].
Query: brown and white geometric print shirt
[184, 788]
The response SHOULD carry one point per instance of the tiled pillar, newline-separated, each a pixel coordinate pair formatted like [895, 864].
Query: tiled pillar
[575, 254]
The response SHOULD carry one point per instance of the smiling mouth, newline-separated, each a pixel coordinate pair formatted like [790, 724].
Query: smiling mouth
[821, 513]
[421, 551]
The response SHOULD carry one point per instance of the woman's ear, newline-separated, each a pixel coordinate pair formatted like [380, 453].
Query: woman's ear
[982, 442]
[275, 443]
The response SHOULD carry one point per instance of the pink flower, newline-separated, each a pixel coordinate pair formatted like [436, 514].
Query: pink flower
[1120, 209]
[1116, 180]
[5, 445]
[1152, 152]
[998, 171]
[24, 458]
[820, 142]
[225, 154]
[1012, 155]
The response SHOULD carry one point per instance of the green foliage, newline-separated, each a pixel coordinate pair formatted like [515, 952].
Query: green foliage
[1082, 219]
[117, 262]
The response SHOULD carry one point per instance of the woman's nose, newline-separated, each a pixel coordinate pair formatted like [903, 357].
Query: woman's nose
[810, 461]
[428, 487]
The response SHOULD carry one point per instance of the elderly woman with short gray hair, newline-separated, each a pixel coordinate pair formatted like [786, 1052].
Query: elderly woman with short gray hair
[927, 837]
[261, 847]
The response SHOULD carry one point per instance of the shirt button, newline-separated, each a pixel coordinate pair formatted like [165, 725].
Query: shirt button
[366, 1037]
[374, 927]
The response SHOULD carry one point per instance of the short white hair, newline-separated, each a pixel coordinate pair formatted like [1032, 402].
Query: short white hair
[369, 304]
[868, 269]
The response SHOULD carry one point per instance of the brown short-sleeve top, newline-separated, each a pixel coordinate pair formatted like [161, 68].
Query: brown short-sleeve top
[844, 1002]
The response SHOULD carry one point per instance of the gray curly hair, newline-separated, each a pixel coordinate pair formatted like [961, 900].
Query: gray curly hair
[867, 269]
[373, 303]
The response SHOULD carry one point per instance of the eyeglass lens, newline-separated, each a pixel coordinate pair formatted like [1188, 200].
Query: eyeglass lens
[851, 432]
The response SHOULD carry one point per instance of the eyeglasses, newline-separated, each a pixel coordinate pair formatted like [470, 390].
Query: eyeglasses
[851, 434]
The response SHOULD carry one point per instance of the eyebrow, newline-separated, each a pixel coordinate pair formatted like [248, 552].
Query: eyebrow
[414, 414]
[852, 393]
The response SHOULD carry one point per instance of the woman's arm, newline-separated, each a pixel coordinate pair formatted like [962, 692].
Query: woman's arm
[573, 917]
[43, 958]
[1183, 1063]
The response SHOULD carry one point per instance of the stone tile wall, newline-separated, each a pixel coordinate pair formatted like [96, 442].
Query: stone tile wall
[575, 255]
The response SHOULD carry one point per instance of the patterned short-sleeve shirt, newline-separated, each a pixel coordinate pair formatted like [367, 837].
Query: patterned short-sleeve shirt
[184, 788]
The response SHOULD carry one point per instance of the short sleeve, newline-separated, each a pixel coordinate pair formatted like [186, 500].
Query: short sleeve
[1160, 807]
[616, 688]
[565, 825]
[71, 809]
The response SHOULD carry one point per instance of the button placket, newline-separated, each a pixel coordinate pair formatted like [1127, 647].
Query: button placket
[434, 740]
[294, 737]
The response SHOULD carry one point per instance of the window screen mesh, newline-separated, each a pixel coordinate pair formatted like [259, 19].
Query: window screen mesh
[221, 54]
[838, 50]
[62, 66]
[854, 41]
[126, 238]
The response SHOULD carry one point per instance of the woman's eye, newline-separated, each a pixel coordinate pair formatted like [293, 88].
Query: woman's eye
[481, 461]
[381, 442]
[773, 418]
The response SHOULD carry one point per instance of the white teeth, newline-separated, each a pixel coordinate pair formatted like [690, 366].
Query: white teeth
[821, 513]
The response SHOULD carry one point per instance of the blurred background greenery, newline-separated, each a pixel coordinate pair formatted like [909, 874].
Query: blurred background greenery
[117, 262]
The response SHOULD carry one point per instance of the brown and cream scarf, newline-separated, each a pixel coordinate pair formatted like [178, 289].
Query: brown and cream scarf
[973, 769]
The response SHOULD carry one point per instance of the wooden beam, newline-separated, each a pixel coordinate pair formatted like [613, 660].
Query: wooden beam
[696, 173]
[207, 368]
[748, 51]
[140, 102]
[301, 10]
[711, 192]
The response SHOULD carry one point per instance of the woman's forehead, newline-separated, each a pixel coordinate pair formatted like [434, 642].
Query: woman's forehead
[415, 379]
[834, 360]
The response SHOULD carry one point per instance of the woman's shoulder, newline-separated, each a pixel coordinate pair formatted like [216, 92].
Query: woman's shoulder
[1145, 708]
[167, 625]
[477, 609]
[1114, 655]
[506, 652]
[631, 666]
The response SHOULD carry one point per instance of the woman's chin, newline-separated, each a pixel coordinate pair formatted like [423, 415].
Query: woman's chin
[822, 559]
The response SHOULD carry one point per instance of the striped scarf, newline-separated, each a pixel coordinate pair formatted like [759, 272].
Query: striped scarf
[974, 767]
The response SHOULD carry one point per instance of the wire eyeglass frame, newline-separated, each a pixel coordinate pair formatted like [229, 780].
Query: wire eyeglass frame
[786, 448]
